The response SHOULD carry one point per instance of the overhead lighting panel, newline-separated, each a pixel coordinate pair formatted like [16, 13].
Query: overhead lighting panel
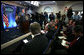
[53, 1]
[36, 3]
[32, 2]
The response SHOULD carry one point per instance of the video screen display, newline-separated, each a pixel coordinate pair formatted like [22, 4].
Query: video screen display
[10, 12]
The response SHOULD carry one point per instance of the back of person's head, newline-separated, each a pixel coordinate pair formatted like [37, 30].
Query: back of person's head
[78, 29]
[56, 20]
[41, 12]
[66, 7]
[59, 11]
[45, 12]
[70, 7]
[35, 28]
[47, 26]
[74, 23]
[70, 21]
[52, 23]
[52, 13]
[76, 12]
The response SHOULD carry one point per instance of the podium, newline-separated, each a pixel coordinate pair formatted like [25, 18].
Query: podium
[24, 26]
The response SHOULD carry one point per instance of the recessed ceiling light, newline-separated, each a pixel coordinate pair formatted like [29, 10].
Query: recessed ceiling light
[53, 1]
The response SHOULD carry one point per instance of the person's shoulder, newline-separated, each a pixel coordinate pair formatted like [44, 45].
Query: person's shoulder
[42, 35]
[43, 38]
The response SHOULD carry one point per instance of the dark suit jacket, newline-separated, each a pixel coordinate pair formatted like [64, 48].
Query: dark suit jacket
[49, 34]
[21, 43]
[69, 13]
[35, 46]
[52, 17]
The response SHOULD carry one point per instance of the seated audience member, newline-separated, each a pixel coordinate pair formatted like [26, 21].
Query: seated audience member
[50, 30]
[64, 30]
[73, 24]
[76, 46]
[68, 31]
[56, 22]
[39, 42]
[52, 23]
[69, 26]
[58, 25]
[46, 28]
[69, 35]
[70, 22]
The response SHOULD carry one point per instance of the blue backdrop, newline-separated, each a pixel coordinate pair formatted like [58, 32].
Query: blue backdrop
[10, 12]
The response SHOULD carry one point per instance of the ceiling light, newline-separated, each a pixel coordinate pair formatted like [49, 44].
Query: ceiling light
[32, 2]
[53, 1]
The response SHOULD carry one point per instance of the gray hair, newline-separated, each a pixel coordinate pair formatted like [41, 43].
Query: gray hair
[35, 28]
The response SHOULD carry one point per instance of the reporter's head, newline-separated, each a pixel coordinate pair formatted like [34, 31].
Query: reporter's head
[35, 28]
[78, 30]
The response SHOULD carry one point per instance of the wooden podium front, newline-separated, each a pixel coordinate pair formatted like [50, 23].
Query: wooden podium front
[24, 26]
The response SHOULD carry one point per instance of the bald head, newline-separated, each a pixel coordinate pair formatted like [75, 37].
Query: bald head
[35, 28]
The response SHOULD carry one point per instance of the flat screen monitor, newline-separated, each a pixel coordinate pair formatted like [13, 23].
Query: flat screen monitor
[10, 12]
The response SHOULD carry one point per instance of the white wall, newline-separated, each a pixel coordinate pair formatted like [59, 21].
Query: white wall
[56, 8]
[77, 6]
